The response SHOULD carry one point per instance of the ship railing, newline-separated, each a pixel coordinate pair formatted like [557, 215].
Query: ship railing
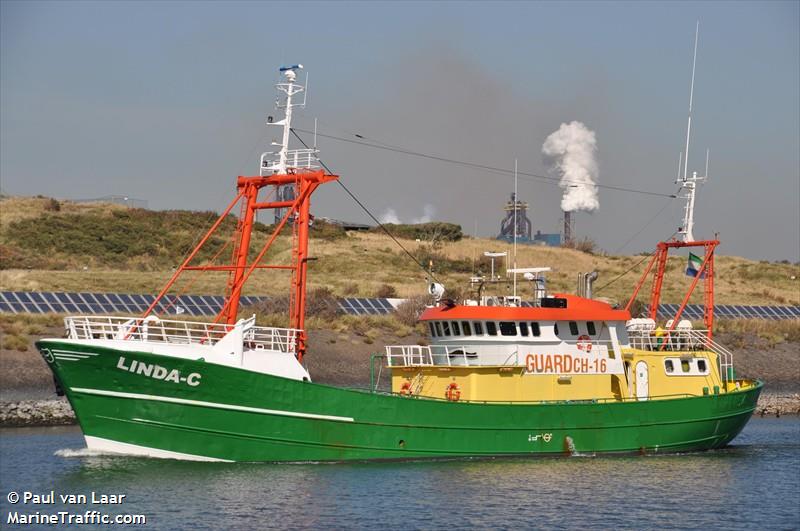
[684, 341]
[462, 355]
[681, 340]
[427, 355]
[295, 158]
[177, 332]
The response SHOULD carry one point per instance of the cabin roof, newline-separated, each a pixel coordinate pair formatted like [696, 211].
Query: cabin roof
[578, 309]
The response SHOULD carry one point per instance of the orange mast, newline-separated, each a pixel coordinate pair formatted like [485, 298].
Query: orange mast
[295, 176]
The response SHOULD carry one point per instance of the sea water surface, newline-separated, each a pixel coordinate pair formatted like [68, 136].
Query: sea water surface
[752, 484]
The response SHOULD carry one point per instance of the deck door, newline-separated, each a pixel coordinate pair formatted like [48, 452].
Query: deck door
[642, 381]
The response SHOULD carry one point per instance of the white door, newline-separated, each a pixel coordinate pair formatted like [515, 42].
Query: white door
[642, 384]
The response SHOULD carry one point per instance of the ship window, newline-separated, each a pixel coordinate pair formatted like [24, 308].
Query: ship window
[535, 331]
[685, 367]
[438, 329]
[555, 328]
[433, 329]
[508, 328]
[668, 365]
[456, 330]
[523, 329]
[590, 328]
[491, 328]
[446, 328]
[478, 328]
[573, 328]
[701, 366]
[465, 328]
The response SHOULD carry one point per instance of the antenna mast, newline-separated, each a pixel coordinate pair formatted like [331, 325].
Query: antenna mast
[686, 182]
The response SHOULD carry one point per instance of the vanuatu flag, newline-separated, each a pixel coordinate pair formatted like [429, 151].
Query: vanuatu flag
[694, 266]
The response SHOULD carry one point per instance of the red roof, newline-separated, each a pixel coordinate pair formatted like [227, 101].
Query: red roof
[578, 309]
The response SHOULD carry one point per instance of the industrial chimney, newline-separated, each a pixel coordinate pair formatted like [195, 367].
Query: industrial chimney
[567, 228]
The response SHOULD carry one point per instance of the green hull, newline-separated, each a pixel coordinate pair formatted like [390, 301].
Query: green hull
[237, 415]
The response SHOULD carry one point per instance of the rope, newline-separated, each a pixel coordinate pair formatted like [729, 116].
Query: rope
[370, 214]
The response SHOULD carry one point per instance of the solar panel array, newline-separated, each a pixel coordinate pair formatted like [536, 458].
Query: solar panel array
[108, 303]
[730, 311]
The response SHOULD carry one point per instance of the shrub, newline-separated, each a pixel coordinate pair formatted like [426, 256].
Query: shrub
[409, 311]
[435, 231]
[324, 230]
[586, 245]
[386, 291]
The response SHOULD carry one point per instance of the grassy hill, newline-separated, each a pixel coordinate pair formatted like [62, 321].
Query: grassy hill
[61, 245]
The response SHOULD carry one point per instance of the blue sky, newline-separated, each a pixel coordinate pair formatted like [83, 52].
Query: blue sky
[165, 101]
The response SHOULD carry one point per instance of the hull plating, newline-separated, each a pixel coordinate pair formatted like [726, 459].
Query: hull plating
[237, 415]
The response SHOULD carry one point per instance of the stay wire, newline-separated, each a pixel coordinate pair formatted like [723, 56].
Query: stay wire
[629, 240]
[530, 176]
[634, 266]
[370, 214]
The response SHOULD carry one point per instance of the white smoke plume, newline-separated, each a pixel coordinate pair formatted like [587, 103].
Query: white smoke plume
[572, 152]
[390, 216]
[427, 215]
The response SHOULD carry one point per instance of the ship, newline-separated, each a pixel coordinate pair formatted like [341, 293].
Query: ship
[524, 374]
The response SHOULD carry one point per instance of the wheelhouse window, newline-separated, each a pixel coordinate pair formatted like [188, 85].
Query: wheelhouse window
[465, 329]
[688, 367]
[508, 328]
[433, 329]
[438, 328]
[573, 328]
[491, 328]
[523, 329]
[478, 327]
[446, 327]
[455, 328]
[590, 328]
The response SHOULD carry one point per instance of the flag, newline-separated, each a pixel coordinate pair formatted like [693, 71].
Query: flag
[694, 265]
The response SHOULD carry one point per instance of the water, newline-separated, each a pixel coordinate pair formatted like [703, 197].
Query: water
[754, 483]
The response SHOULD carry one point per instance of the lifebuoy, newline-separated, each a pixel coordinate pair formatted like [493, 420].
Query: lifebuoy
[405, 389]
[453, 392]
[585, 343]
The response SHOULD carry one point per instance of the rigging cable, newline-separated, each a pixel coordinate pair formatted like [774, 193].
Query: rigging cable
[634, 266]
[530, 176]
[370, 214]
[629, 240]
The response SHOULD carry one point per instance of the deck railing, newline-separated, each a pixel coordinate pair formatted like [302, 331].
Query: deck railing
[177, 332]
[468, 355]
[683, 341]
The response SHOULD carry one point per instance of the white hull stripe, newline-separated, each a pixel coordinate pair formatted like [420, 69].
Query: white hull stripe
[102, 445]
[215, 405]
[73, 353]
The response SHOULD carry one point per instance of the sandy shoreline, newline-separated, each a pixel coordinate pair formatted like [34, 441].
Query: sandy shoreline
[57, 412]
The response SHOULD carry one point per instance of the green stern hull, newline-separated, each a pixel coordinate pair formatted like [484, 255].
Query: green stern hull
[192, 409]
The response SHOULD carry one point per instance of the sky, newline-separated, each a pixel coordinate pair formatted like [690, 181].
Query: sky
[166, 102]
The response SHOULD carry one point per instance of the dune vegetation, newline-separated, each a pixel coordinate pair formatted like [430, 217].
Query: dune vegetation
[47, 244]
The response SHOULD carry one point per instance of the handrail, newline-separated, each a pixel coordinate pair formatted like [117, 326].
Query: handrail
[152, 330]
[446, 355]
[686, 340]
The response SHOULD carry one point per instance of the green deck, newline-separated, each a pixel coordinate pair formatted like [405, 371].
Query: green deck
[239, 415]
